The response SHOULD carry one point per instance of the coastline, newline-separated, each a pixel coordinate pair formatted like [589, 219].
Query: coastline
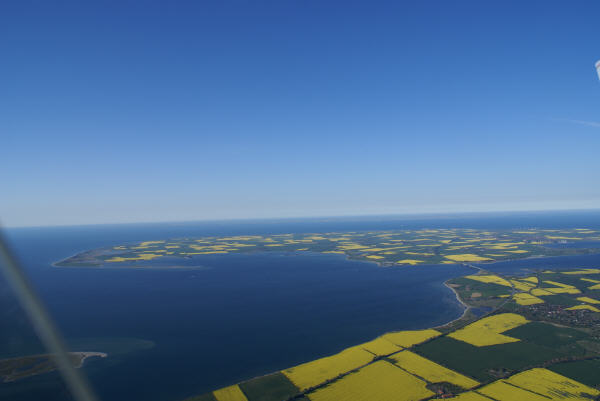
[130, 267]
[22, 367]
[88, 354]
[460, 301]
[345, 255]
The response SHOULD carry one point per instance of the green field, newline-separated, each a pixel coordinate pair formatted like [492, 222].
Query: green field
[486, 290]
[480, 362]
[273, 387]
[547, 335]
[586, 372]
[562, 339]
[560, 299]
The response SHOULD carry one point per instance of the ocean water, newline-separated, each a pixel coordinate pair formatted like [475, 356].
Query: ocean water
[174, 333]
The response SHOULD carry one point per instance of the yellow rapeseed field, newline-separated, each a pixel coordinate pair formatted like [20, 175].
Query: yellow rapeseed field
[239, 238]
[380, 346]
[527, 299]
[584, 271]
[502, 391]
[231, 393]
[409, 338]
[378, 381]
[563, 290]
[466, 257]
[531, 279]
[457, 247]
[594, 287]
[350, 247]
[588, 300]
[487, 330]
[147, 256]
[409, 262]
[429, 370]
[510, 243]
[590, 280]
[374, 257]
[117, 259]
[523, 286]
[489, 279]
[471, 396]
[540, 291]
[557, 284]
[142, 256]
[316, 372]
[151, 243]
[584, 307]
[552, 385]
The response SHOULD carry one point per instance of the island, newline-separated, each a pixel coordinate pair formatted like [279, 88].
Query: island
[13, 369]
[387, 248]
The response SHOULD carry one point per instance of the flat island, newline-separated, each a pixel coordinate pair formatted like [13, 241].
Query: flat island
[13, 369]
[388, 248]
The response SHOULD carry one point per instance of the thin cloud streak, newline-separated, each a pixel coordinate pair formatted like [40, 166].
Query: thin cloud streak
[583, 122]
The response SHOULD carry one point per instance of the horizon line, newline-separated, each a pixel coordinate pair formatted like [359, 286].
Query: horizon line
[308, 217]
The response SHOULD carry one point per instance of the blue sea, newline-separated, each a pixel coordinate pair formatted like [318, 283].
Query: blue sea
[170, 334]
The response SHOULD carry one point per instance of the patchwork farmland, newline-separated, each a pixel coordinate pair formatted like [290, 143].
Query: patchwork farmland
[540, 341]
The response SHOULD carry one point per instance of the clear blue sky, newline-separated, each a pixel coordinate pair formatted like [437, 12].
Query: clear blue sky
[154, 111]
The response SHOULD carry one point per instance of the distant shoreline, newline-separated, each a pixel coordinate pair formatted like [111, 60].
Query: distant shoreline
[130, 267]
[345, 255]
[88, 354]
[22, 367]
